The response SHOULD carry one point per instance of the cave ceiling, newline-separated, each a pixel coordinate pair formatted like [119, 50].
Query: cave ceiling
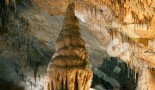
[132, 19]
[135, 16]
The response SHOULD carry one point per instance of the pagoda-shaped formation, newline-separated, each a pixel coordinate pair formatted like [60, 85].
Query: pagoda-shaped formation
[69, 68]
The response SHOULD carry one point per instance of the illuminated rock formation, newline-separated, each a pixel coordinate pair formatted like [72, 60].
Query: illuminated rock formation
[146, 80]
[69, 68]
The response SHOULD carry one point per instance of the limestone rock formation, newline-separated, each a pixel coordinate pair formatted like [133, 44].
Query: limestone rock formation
[133, 19]
[69, 68]
[33, 29]
[146, 80]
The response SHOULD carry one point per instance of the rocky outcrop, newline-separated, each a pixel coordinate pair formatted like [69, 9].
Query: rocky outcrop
[69, 68]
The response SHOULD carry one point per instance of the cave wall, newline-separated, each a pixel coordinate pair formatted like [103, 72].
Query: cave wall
[28, 46]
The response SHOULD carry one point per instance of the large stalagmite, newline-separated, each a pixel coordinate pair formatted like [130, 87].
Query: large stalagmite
[69, 68]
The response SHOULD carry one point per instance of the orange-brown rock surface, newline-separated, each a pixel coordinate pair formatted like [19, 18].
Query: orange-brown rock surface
[69, 68]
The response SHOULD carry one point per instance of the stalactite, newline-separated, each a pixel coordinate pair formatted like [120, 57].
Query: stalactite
[112, 35]
[135, 73]
[100, 24]
[95, 12]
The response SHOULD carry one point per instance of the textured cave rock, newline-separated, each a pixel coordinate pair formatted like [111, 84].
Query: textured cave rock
[115, 73]
[134, 18]
[69, 68]
[36, 31]
[146, 80]
[42, 30]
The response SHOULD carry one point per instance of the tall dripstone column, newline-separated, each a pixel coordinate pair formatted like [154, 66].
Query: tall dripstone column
[69, 68]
